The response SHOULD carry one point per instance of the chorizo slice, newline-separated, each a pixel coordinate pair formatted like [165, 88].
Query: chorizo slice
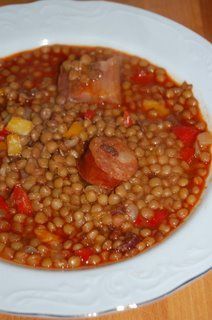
[93, 174]
[113, 156]
[107, 162]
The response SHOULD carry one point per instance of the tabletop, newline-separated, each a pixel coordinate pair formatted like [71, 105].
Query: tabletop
[193, 301]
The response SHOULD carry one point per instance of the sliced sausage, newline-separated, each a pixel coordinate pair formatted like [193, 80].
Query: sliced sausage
[93, 174]
[107, 162]
[113, 156]
[95, 82]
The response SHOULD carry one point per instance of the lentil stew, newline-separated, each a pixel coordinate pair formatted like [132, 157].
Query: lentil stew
[102, 155]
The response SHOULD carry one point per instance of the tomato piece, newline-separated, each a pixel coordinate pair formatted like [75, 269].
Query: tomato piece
[4, 206]
[159, 216]
[91, 173]
[187, 154]
[21, 200]
[3, 133]
[89, 114]
[127, 119]
[139, 222]
[141, 76]
[186, 134]
[84, 253]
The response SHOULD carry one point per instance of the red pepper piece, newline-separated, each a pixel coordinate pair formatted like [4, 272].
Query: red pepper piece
[89, 114]
[185, 133]
[21, 200]
[4, 206]
[127, 119]
[84, 253]
[187, 154]
[3, 133]
[141, 76]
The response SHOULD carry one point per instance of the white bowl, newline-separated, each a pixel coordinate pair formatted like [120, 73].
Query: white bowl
[187, 253]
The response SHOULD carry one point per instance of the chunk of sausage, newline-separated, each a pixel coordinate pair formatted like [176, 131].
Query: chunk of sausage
[95, 82]
[114, 157]
[93, 174]
[108, 162]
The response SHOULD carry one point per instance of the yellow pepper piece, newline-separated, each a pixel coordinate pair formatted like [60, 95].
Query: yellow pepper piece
[14, 147]
[20, 126]
[3, 146]
[75, 129]
[46, 236]
[160, 107]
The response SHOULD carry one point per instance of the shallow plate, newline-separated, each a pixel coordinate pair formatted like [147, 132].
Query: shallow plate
[183, 256]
